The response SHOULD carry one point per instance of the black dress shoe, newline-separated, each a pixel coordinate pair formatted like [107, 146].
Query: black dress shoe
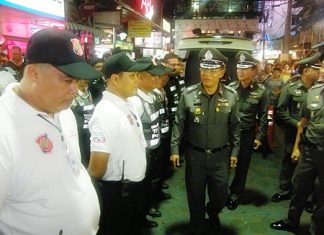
[232, 204]
[150, 223]
[164, 196]
[280, 197]
[215, 222]
[309, 207]
[165, 186]
[284, 225]
[154, 212]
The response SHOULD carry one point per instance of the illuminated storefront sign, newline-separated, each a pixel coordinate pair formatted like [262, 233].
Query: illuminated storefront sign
[49, 8]
[147, 8]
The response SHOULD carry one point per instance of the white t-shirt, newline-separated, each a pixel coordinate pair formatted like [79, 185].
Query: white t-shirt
[44, 187]
[5, 79]
[116, 129]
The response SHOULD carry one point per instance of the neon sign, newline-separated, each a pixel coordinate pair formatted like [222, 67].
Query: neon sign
[147, 7]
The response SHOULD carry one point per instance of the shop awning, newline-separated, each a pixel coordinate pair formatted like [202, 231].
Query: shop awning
[74, 26]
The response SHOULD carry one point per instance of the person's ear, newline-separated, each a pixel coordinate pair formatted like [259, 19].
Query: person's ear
[32, 72]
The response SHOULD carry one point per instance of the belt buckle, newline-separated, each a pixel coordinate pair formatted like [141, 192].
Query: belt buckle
[209, 151]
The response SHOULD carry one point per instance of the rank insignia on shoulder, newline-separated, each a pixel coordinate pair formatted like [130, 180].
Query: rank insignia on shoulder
[222, 100]
[198, 111]
[226, 104]
[253, 93]
[298, 92]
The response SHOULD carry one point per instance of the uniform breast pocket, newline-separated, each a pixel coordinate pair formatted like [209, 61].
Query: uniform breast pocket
[197, 116]
[252, 101]
[222, 114]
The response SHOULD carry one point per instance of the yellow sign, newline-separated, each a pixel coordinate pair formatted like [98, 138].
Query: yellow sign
[139, 29]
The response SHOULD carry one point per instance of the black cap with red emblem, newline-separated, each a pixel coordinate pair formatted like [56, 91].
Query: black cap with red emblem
[63, 50]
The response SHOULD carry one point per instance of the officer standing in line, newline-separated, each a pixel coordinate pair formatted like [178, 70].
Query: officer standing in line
[253, 105]
[118, 158]
[288, 112]
[175, 85]
[83, 108]
[165, 125]
[149, 112]
[208, 116]
[309, 150]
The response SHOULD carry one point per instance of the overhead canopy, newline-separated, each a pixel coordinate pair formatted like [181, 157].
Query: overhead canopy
[74, 26]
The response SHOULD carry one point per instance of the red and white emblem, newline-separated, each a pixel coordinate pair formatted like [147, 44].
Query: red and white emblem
[45, 144]
[77, 48]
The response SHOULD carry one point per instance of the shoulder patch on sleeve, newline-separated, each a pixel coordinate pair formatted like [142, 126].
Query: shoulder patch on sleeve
[317, 86]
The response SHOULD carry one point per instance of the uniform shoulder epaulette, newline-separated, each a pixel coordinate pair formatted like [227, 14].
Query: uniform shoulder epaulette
[233, 84]
[191, 88]
[317, 86]
[294, 83]
[261, 86]
[229, 88]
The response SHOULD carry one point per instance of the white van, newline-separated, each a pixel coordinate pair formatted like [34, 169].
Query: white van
[228, 45]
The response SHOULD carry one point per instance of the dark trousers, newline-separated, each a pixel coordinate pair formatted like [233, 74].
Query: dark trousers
[121, 214]
[206, 170]
[286, 173]
[165, 157]
[310, 166]
[287, 166]
[246, 149]
[152, 177]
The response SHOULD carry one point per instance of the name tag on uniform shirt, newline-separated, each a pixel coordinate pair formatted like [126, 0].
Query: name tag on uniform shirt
[173, 88]
[181, 82]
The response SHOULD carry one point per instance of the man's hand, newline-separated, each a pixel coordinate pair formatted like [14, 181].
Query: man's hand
[175, 161]
[233, 162]
[295, 155]
[257, 144]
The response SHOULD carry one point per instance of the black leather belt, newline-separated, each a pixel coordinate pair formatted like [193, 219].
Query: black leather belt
[202, 150]
[247, 129]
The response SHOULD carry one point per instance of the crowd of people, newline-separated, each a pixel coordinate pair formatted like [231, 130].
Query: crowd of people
[87, 148]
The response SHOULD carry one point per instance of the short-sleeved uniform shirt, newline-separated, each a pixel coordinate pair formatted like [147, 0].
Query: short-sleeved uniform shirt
[44, 187]
[116, 129]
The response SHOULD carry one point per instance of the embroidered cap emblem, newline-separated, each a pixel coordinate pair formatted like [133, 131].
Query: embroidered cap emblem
[44, 143]
[242, 58]
[208, 55]
[77, 48]
[130, 57]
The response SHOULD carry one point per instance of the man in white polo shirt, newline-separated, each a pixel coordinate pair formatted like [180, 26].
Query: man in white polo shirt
[44, 187]
[118, 149]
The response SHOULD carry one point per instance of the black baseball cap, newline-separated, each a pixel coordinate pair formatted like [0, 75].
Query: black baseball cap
[211, 58]
[122, 62]
[245, 60]
[61, 49]
[155, 68]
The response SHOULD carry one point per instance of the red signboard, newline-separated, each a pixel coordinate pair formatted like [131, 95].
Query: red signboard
[152, 9]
